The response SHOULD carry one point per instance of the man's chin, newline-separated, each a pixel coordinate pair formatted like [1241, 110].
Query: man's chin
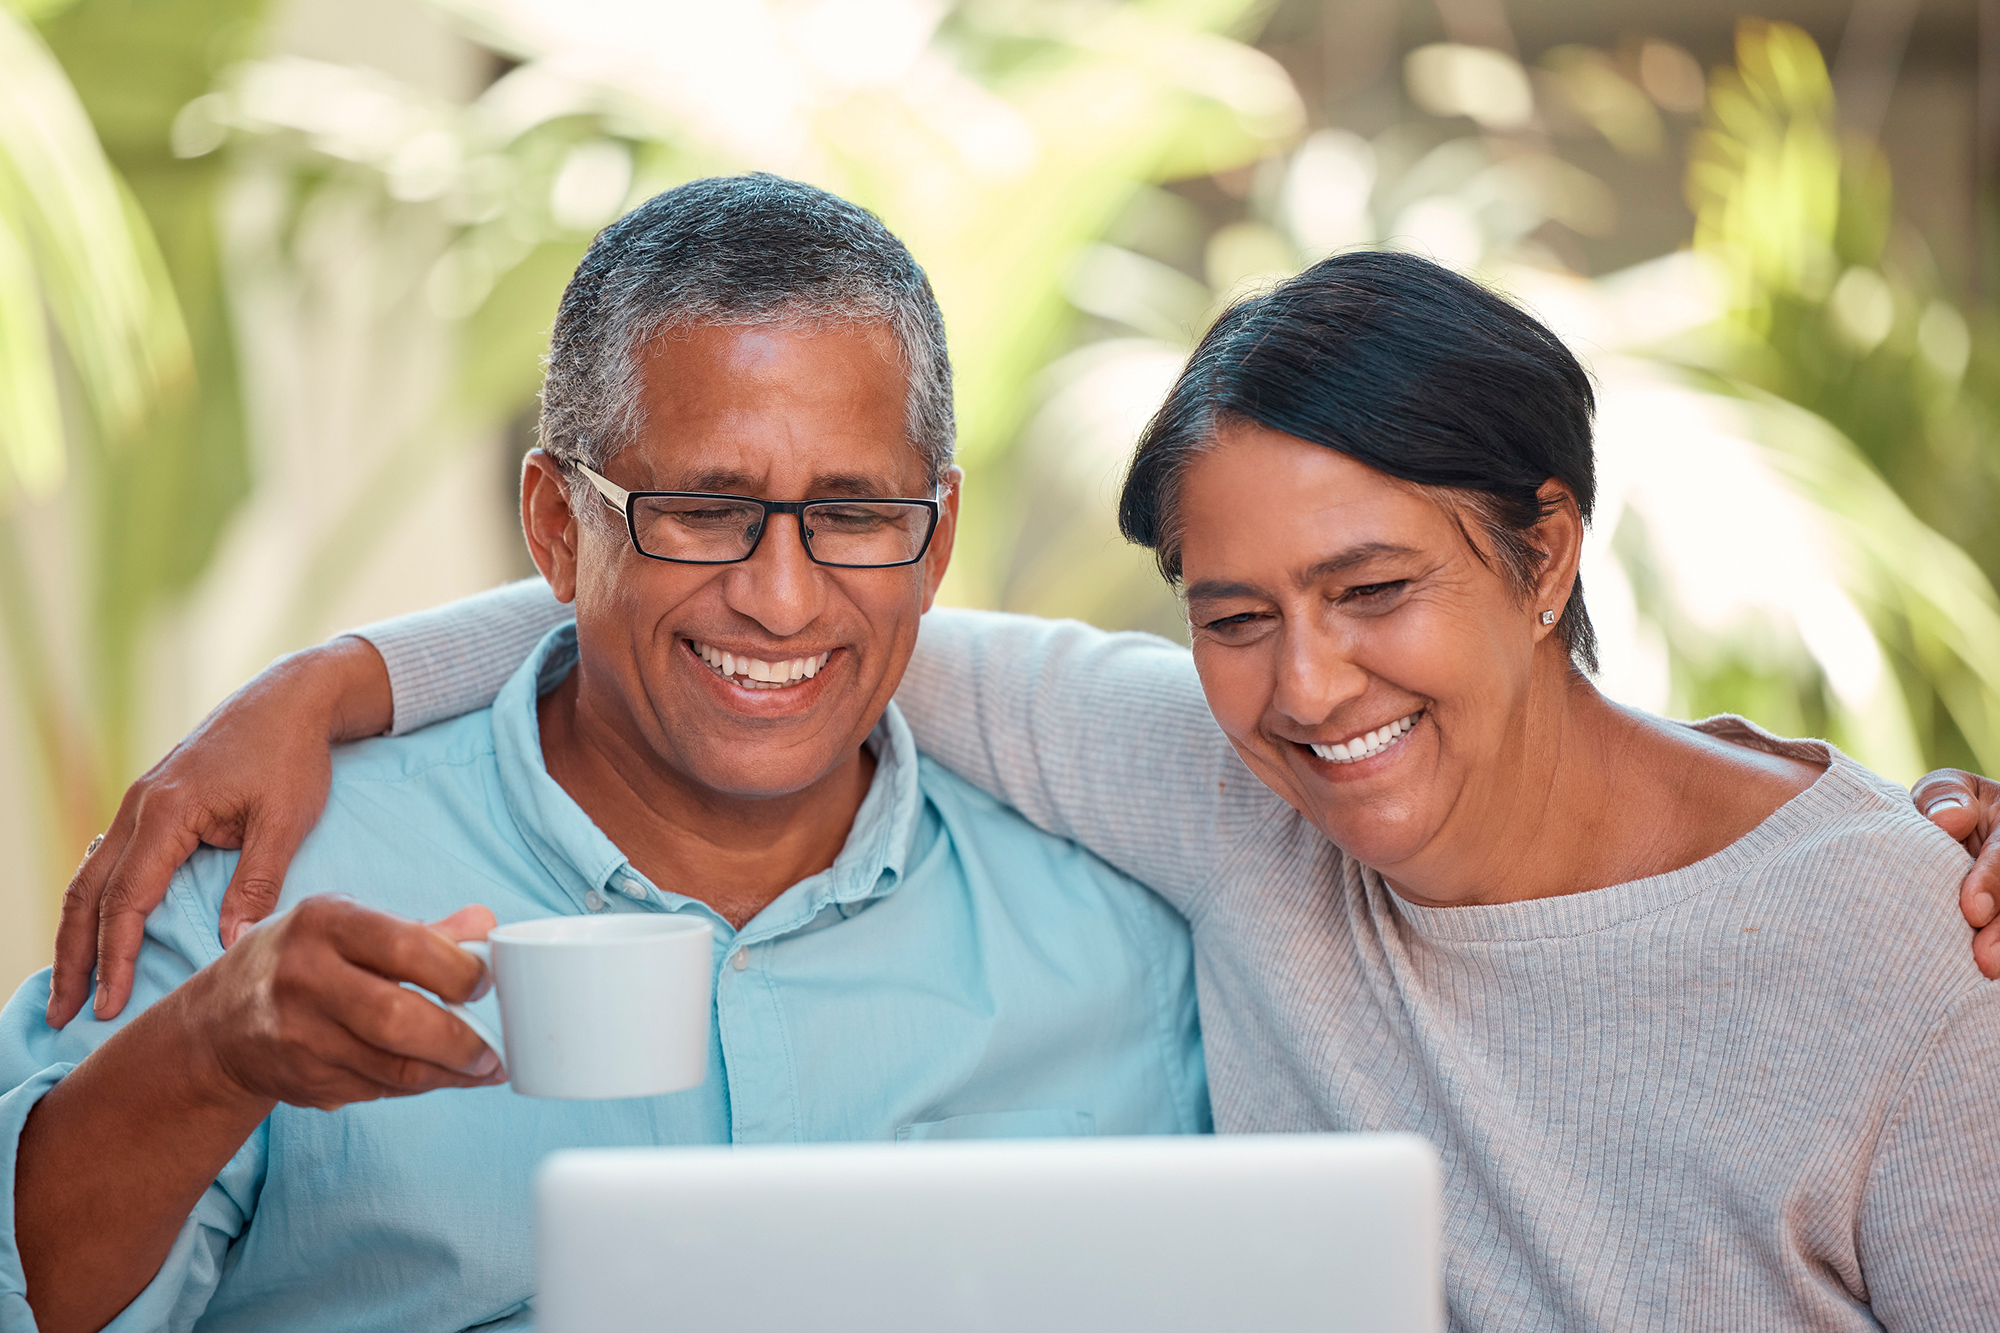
[769, 757]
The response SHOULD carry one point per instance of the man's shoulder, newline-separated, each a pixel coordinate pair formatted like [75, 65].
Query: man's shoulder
[972, 812]
[996, 839]
[438, 783]
[395, 805]
[416, 757]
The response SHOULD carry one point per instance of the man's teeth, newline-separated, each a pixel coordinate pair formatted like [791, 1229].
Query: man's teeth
[754, 673]
[1370, 745]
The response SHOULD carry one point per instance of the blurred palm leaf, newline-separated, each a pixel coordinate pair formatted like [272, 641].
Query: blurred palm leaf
[1931, 606]
[75, 253]
[153, 505]
[1834, 307]
[77, 259]
[1784, 576]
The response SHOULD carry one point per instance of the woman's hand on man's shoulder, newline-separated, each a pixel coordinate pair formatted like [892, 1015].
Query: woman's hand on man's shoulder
[253, 775]
[1967, 807]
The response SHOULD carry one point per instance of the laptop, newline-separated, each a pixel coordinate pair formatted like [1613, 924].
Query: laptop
[1337, 1233]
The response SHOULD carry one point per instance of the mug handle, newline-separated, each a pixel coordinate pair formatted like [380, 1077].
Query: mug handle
[481, 950]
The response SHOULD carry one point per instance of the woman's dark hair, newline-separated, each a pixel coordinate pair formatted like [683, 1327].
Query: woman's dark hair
[1405, 366]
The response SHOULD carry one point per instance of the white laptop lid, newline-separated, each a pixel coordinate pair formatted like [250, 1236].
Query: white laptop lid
[1333, 1232]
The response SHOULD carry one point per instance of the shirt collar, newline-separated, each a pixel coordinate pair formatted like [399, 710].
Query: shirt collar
[584, 863]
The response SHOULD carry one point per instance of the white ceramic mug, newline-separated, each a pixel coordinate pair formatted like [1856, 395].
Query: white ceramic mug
[599, 1006]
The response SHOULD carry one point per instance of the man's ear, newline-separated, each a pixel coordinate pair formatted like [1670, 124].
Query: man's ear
[548, 522]
[938, 558]
[1559, 536]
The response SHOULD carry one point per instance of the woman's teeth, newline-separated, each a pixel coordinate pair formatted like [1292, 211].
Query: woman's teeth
[754, 673]
[1370, 745]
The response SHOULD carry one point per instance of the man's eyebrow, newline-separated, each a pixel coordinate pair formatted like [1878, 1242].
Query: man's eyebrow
[853, 483]
[1216, 590]
[725, 482]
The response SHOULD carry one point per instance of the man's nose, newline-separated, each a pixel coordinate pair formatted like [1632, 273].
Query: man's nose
[779, 586]
[1316, 675]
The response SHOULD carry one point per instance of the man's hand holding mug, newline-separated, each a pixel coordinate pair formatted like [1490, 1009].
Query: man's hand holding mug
[310, 1007]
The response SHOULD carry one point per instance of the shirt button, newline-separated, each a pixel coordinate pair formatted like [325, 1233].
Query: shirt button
[740, 959]
[632, 888]
[593, 901]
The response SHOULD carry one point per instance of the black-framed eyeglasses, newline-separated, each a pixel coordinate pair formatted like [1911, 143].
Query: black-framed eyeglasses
[699, 528]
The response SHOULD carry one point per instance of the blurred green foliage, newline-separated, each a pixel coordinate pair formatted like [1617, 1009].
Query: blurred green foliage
[1029, 129]
[157, 502]
[84, 414]
[1835, 306]
[1087, 184]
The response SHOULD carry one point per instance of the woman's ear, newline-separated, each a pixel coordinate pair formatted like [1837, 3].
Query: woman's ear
[548, 522]
[1559, 536]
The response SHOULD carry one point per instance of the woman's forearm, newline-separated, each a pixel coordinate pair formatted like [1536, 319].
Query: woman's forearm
[113, 1160]
[454, 658]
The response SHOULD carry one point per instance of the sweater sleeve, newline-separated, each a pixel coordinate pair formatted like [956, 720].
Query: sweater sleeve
[1930, 1218]
[1101, 738]
[454, 658]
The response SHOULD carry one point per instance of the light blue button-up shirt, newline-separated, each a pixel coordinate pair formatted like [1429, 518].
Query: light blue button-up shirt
[954, 973]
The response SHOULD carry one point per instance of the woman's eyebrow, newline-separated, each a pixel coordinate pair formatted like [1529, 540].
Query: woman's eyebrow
[1346, 560]
[1215, 590]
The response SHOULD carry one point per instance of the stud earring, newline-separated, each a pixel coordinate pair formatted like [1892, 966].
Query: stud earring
[1548, 617]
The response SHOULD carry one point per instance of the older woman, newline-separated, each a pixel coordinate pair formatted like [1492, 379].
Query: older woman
[1687, 1009]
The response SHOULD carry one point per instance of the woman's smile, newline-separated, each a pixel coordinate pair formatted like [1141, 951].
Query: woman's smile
[1367, 745]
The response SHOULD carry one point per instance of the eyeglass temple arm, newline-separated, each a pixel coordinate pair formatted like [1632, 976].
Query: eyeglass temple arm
[614, 495]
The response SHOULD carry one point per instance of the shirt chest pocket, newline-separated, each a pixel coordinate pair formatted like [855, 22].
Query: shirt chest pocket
[1043, 1124]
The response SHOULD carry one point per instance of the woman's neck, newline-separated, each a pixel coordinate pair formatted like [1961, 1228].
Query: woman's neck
[1601, 794]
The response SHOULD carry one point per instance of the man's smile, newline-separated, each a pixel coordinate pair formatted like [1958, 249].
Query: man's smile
[756, 673]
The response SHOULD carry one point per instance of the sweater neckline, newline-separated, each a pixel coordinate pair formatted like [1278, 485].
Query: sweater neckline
[1591, 910]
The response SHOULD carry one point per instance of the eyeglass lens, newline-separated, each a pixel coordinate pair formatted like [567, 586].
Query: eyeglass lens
[837, 532]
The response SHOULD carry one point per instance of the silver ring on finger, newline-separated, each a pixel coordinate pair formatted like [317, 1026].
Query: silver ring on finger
[95, 843]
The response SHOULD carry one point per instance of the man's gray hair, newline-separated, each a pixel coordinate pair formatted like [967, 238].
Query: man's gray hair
[734, 250]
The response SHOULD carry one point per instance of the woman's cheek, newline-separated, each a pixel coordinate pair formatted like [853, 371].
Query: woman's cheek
[1440, 650]
[1236, 686]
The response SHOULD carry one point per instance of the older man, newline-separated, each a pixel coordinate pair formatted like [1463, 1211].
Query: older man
[747, 493]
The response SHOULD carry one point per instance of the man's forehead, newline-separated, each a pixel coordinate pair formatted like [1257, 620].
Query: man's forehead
[744, 409]
[755, 481]
[707, 367]
[772, 464]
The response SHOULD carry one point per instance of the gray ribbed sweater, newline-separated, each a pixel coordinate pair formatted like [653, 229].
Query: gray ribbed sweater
[1754, 1093]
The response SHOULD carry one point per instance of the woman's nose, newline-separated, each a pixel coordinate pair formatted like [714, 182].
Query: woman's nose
[1316, 675]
